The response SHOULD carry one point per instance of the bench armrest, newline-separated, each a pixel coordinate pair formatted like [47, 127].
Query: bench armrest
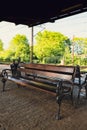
[6, 72]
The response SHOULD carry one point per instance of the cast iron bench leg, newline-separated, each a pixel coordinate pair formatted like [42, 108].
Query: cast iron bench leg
[86, 87]
[86, 91]
[4, 82]
[4, 78]
[59, 97]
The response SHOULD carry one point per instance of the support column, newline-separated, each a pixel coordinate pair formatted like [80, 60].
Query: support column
[31, 46]
[73, 44]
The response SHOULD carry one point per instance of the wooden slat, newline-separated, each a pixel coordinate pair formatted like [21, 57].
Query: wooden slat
[54, 68]
[33, 85]
[51, 71]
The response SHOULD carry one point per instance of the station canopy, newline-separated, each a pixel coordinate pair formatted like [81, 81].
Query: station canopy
[35, 12]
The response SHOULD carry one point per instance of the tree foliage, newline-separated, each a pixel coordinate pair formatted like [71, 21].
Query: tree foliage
[19, 47]
[80, 50]
[50, 47]
[49, 44]
[1, 45]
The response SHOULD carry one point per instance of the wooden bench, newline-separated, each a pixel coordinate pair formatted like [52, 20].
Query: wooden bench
[57, 79]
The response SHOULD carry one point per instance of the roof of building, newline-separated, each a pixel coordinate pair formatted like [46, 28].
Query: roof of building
[37, 12]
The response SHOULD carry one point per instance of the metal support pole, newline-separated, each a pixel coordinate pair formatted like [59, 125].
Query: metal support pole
[73, 53]
[31, 46]
[73, 44]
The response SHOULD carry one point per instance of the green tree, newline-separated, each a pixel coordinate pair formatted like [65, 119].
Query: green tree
[1, 45]
[80, 50]
[49, 44]
[67, 56]
[78, 44]
[19, 47]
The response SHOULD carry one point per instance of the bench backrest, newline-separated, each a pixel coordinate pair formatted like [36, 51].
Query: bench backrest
[60, 72]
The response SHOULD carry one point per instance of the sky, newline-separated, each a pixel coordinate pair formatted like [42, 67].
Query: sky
[75, 25]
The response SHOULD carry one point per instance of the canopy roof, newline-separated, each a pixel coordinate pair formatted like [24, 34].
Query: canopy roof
[33, 12]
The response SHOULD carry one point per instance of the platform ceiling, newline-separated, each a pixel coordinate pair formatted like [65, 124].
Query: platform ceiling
[35, 12]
